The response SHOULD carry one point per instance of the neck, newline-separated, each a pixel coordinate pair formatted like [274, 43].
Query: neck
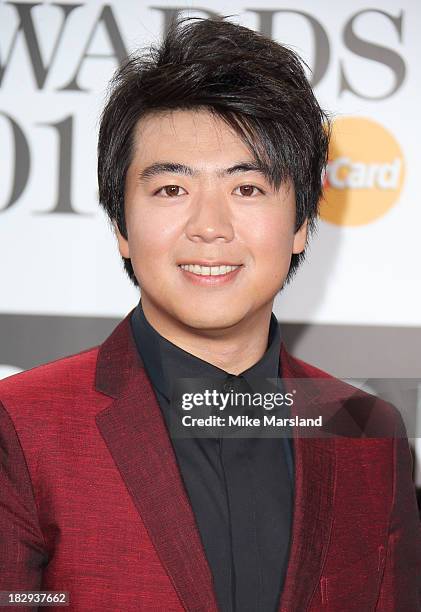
[233, 349]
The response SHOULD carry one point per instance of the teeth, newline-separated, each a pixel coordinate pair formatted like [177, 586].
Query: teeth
[208, 270]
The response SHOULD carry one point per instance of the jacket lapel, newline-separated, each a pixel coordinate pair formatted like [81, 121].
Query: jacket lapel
[135, 433]
[136, 436]
[314, 497]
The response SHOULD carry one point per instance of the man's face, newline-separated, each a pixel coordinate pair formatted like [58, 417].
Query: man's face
[195, 212]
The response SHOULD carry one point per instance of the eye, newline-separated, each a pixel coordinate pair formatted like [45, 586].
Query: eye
[171, 191]
[247, 190]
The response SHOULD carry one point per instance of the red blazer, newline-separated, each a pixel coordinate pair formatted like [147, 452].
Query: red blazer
[92, 501]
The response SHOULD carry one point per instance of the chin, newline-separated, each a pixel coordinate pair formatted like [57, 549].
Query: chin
[209, 321]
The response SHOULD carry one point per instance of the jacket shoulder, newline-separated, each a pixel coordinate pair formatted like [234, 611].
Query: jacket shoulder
[71, 374]
[311, 370]
[372, 414]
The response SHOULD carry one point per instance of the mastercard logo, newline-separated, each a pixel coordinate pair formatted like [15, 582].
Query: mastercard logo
[365, 173]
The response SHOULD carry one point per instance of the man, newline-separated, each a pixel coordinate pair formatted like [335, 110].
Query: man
[211, 152]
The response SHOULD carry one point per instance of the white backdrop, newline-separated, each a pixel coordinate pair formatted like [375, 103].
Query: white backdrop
[58, 255]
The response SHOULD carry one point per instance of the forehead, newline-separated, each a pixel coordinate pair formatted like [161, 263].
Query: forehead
[187, 133]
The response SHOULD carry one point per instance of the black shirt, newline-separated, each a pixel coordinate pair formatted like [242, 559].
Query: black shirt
[240, 489]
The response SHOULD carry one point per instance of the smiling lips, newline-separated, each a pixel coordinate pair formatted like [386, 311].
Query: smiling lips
[200, 270]
[201, 274]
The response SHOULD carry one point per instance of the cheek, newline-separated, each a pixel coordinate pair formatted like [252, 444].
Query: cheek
[151, 237]
[271, 240]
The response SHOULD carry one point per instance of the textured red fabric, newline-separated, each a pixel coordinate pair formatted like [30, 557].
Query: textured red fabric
[92, 501]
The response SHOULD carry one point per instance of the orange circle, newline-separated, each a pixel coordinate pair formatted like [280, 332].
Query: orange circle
[365, 172]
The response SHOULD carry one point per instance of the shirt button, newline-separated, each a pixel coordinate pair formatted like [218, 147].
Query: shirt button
[230, 385]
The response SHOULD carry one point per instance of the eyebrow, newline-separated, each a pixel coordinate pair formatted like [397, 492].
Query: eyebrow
[174, 168]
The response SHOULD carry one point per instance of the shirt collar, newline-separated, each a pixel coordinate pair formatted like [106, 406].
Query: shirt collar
[164, 361]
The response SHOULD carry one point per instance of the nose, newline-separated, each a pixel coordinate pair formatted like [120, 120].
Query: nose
[210, 218]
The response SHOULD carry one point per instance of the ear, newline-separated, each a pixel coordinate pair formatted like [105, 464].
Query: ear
[123, 245]
[300, 238]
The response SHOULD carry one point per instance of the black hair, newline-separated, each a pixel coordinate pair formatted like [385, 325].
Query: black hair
[256, 85]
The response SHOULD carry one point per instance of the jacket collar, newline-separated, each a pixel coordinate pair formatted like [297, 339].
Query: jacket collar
[134, 431]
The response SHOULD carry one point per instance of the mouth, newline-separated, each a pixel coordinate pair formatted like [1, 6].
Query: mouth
[209, 274]
[209, 270]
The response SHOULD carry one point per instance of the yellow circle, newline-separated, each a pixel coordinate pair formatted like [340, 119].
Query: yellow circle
[365, 172]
